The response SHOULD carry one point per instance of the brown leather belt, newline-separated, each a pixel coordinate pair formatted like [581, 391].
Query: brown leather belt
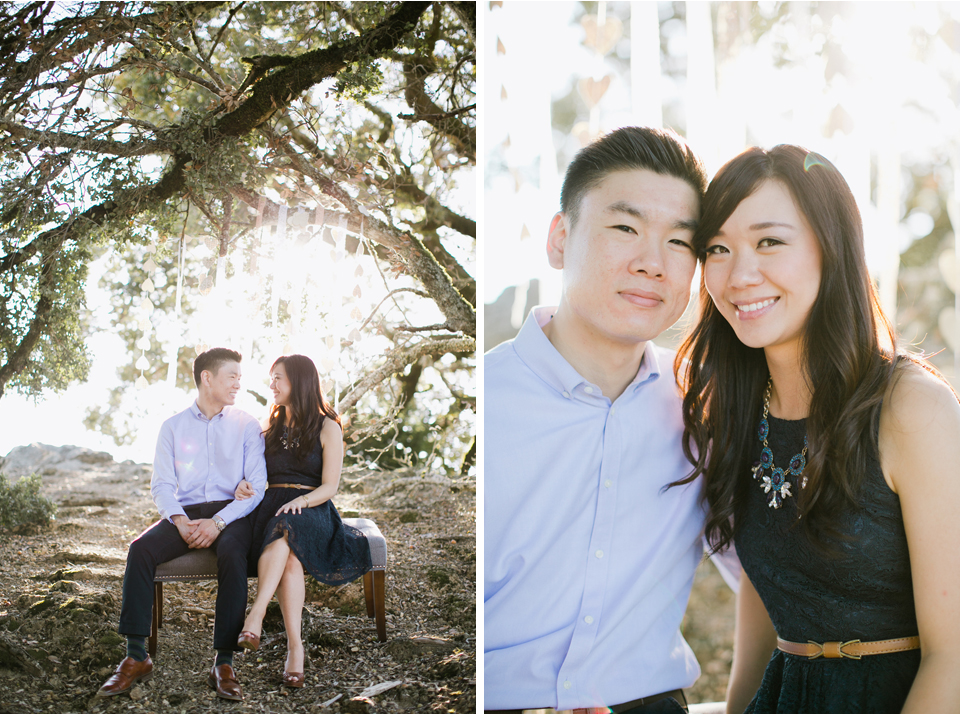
[616, 708]
[852, 649]
[290, 485]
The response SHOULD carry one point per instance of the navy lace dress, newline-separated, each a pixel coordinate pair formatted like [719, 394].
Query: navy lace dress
[865, 593]
[331, 551]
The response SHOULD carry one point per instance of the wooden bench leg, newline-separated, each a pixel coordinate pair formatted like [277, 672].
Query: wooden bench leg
[368, 592]
[157, 618]
[379, 596]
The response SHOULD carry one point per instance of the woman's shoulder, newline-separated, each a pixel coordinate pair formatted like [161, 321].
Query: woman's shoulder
[330, 427]
[916, 393]
[919, 422]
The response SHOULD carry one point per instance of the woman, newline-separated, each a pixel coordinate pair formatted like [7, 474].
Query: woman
[296, 526]
[828, 459]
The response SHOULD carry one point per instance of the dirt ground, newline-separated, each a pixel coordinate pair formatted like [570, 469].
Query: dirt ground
[60, 592]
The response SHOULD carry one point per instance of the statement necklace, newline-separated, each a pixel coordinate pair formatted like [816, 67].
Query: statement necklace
[287, 442]
[776, 483]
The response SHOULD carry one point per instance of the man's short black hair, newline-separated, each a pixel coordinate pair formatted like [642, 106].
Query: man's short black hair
[211, 361]
[633, 147]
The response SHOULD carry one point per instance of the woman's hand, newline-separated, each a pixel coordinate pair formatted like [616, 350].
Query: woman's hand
[244, 490]
[294, 506]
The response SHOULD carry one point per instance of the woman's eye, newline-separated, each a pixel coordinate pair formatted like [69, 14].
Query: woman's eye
[715, 249]
[767, 242]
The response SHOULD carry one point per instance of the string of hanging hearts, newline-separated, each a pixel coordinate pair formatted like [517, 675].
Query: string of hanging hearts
[290, 226]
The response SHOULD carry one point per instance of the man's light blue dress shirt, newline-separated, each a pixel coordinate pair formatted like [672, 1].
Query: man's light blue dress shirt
[588, 561]
[200, 460]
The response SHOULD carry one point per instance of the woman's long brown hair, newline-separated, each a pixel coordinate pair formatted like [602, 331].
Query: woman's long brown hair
[847, 355]
[308, 407]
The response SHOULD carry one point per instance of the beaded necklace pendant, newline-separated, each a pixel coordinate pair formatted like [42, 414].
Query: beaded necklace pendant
[775, 483]
[287, 442]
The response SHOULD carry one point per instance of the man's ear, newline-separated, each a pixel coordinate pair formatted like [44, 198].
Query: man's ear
[556, 240]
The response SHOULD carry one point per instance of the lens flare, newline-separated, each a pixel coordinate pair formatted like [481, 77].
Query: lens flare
[814, 160]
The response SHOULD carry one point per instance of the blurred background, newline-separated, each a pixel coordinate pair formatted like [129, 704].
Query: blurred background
[874, 87]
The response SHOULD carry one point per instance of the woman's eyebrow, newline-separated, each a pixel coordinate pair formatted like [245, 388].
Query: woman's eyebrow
[764, 226]
[771, 224]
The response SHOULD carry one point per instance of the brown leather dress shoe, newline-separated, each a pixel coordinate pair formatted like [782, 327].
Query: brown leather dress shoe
[128, 673]
[225, 682]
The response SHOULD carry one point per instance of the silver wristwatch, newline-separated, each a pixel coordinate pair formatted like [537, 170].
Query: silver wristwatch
[221, 524]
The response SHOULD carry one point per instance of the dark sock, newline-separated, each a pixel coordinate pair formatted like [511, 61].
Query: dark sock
[137, 647]
[224, 657]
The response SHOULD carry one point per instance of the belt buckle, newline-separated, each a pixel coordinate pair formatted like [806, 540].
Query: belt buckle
[834, 650]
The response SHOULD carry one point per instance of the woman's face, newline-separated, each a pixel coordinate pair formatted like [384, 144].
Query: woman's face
[763, 269]
[280, 386]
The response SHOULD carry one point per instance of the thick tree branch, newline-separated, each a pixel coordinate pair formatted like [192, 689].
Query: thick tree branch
[409, 249]
[437, 214]
[467, 12]
[278, 89]
[20, 355]
[399, 358]
[268, 95]
[407, 187]
[462, 136]
[63, 140]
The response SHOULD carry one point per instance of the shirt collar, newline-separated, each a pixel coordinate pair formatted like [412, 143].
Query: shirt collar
[538, 353]
[200, 415]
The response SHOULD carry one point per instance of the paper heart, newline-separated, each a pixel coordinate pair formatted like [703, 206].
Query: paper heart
[592, 90]
[602, 39]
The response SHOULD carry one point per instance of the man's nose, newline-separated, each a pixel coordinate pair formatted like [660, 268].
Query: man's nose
[648, 258]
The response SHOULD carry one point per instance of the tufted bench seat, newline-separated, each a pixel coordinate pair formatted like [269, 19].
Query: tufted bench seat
[202, 565]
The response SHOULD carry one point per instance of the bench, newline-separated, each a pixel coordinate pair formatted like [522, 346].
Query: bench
[201, 564]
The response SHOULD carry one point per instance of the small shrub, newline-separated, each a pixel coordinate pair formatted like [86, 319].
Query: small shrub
[21, 504]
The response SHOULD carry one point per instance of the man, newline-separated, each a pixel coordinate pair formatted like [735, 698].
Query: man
[202, 455]
[589, 558]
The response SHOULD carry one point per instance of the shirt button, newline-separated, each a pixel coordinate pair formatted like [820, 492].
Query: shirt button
[567, 684]
[613, 410]
[588, 390]
[588, 620]
[599, 553]
[566, 394]
[608, 483]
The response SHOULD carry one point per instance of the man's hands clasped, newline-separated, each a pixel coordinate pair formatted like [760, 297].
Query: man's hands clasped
[198, 533]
